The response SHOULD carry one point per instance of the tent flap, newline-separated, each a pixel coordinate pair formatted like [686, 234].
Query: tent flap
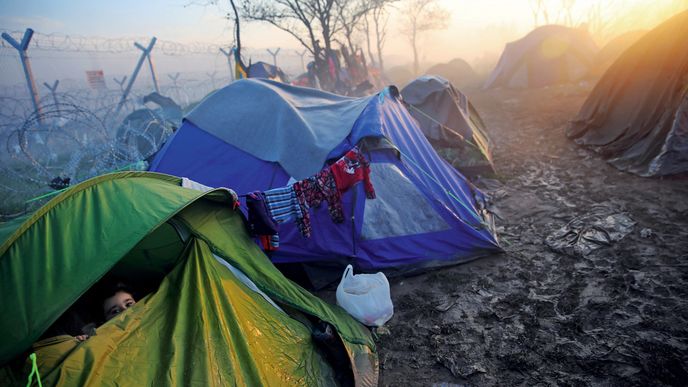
[201, 327]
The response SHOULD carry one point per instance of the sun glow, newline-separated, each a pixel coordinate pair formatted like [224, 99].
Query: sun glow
[478, 30]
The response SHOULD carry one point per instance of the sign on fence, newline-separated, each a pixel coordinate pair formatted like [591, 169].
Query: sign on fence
[96, 79]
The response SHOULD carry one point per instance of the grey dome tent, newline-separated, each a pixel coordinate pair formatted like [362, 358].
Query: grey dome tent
[451, 124]
[457, 71]
[548, 55]
[637, 115]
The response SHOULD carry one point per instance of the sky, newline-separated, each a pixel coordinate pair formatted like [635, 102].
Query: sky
[477, 28]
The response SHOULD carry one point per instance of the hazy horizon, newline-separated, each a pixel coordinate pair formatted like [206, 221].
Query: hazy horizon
[477, 32]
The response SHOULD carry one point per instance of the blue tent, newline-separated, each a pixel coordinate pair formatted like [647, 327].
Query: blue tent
[258, 134]
[265, 70]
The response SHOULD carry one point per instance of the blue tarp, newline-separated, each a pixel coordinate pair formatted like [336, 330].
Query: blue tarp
[425, 213]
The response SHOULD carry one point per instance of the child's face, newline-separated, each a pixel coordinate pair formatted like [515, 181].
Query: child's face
[117, 304]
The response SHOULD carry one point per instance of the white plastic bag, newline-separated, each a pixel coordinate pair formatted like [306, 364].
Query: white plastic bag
[366, 297]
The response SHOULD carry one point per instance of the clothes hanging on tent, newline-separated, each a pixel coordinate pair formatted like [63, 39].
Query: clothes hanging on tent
[314, 190]
[266, 210]
[284, 206]
[259, 220]
[350, 169]
[269, 243]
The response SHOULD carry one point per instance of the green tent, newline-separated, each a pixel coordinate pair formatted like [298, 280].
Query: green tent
[204, 324]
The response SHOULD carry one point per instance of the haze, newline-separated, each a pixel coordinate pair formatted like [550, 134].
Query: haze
[477, 31]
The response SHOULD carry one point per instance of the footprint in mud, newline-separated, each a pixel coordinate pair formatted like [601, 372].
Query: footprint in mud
[569, 299]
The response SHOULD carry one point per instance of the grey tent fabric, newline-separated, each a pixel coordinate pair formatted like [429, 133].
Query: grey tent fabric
[303, 122]
[548, 55]
[387, 216]
[457, 71]
[637, 115]
[448, 120]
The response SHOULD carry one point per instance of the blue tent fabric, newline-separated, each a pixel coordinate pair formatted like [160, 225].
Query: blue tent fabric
[425, 214]
[265, 70]
[291, 117]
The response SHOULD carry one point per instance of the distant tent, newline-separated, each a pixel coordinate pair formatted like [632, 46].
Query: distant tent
[303, 80]
[450, 123]
[637, 115]
[548, 55]
[143, 131]
[268, 71]
[613, 49]
[425, 214]
[219, 313]
[458, 72]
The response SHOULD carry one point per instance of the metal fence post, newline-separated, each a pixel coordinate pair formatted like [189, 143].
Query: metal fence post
[144, 55]
[228, 54]
[301, 54]
[53, 89]
[26, 64]
[212, 78]
[150, 62]
[274, 56]
[120, 82]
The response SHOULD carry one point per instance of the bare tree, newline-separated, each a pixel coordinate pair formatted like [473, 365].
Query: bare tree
[535, 6]
[380, 19]
[374, 25]
[296, 17]
[311, 22]
[237, 29]
[420, 16]
[349, 14]
[567, 8]
[599, 21]
[539, 7]
[365, 28]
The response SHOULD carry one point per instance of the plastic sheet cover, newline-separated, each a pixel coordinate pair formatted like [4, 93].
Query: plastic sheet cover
[636, 117]
[599, 228]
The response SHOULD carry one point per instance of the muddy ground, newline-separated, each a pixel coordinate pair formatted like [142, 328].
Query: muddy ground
[531, 316]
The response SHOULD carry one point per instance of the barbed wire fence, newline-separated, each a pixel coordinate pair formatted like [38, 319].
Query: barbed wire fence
[80, 131]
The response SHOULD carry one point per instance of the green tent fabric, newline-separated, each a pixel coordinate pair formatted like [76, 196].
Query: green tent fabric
[202, 326]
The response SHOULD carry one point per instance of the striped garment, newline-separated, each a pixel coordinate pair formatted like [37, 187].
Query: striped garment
[284, 207]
